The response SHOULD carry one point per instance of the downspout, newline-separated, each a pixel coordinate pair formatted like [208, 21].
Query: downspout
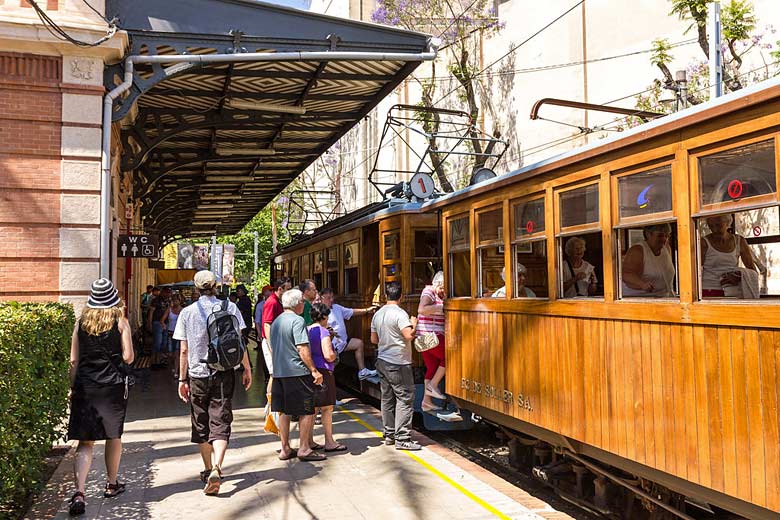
[108, 104]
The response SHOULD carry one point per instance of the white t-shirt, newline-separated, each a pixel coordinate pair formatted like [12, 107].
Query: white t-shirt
[388, 323]
[191, 327]
[580, 287]
[336, 321]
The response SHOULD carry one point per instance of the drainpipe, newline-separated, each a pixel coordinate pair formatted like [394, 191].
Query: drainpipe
[108, 104]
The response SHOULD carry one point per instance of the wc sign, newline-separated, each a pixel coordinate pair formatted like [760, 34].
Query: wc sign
[137, 246]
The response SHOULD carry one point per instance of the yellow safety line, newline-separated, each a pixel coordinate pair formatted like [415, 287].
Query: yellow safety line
[433, 470]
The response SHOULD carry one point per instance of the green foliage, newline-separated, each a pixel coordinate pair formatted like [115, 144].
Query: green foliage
[695, 10]
[661, 52]
[34, 355]
[738, 20]
[245, 243]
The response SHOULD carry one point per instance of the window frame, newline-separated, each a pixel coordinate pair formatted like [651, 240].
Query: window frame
[355, 265]
[480, 245]
[415, 258]
[458, 249]
[531, 238]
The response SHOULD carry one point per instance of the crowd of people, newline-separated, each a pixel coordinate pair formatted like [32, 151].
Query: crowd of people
[302, 332]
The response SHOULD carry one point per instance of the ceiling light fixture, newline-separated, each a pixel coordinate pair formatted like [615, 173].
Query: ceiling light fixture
[244, 104]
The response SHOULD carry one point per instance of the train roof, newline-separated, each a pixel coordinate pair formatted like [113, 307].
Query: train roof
[358, 218]
[754, 95]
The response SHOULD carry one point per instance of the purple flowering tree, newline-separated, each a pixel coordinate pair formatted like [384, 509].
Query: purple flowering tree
[462, 25]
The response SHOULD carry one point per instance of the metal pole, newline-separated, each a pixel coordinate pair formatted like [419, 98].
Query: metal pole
[716, 56]
[273, 227]
[254, 273]
[681, 79]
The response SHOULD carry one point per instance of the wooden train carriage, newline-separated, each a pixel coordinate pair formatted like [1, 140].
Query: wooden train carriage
[681, 388]
[356, 255]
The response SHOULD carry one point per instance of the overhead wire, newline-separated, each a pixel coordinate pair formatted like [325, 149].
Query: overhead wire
[60, 33]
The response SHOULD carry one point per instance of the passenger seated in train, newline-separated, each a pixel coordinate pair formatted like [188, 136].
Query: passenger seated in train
[648, 267]
[522, 290]
[721, 251]
[579, 275]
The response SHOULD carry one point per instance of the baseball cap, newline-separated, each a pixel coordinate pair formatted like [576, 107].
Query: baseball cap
[205, 280]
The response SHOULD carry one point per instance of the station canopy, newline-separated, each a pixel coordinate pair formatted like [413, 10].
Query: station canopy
[211, 144]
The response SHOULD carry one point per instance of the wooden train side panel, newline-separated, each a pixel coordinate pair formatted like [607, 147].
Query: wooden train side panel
[631, 330]
[689, 394]
[770, 375]
[702, 407]
[668, 400]
[645, 362]
[653, 331]
[714, 392]
[741, 430]
[533, 382]
[728, 404]
[756, 443]
[676, 435]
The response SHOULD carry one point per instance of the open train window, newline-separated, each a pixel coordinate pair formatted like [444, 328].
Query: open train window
[351, 265]
[459, 267]
[317, 267]
[427, 258]
[490, 254]
[332, 269]
[580, 248]
[646, 242]
[529, 250]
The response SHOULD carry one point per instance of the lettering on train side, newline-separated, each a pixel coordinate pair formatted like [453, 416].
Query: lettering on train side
[490, 391]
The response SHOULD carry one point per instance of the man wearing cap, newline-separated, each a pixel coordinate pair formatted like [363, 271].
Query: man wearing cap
[209, 392]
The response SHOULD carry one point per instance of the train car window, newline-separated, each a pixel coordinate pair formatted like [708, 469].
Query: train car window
[318, 263]
[646, 242]
[351, 266]
[306, 267]
[294, 274]
[739, 255]
[459, 267]
[579, 206]
[529, 250]
[645, 193]
[490, 254]
[427, 258]
[332, 274]
[737, 175]
[392, 245]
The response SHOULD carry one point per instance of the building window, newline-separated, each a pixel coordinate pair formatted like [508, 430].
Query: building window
[459, 256]
[427, 258]
[579, 243]
[529, 250]
[490, 254]
[646, 244]
[351, 264]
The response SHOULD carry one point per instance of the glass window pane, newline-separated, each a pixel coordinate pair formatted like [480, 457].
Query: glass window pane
[305, 271]
[351, 280]
[318, 280]
[491, 225]
[645, 193]
[580, 206]
[333, 281]
[529, 218]
[392, 246]
[530, 267]
[318, 262]
[333, 258]
[351, 254]
[741, 172]
[648, 262]
[740, 254]
[459, 233]
[491, 272]
[422, 273]
[426, 243]
[581, 267]
[460, 274]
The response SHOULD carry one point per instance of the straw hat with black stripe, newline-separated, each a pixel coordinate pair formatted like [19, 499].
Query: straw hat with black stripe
[103, 296]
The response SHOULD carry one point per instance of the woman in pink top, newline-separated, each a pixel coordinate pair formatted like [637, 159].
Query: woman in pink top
[431, 319]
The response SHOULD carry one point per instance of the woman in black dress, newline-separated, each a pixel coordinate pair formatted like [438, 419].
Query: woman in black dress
[101, 343]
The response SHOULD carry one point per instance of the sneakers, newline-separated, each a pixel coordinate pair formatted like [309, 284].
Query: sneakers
[213, 482]
[434, 392]
[389, 441]
[407, 445]
[366, 373]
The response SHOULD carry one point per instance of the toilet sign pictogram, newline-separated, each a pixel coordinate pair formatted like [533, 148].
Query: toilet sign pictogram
[137, 246]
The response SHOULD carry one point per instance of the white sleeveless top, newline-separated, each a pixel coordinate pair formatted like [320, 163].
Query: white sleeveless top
[658, 270]
[716, 263]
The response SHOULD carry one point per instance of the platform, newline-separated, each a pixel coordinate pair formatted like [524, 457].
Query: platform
[160, 467]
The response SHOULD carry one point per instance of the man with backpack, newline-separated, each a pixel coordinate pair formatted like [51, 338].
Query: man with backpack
[211, 349]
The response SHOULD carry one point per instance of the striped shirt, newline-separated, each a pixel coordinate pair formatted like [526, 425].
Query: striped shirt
[430, 323]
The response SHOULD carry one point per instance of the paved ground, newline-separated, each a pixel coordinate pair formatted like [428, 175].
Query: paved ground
[370, 480]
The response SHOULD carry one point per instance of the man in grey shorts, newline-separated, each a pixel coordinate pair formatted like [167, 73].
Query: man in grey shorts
[393, 331]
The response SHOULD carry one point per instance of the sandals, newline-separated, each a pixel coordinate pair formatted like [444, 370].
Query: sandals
[312, 457]
[113, 490]
[338, 447]
[315, 446]
[293, 453]
[77, 507]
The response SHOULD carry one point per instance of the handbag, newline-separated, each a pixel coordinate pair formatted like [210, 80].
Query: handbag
[426, 341]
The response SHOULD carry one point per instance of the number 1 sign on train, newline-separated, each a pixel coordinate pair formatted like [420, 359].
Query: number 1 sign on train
[421, 185]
